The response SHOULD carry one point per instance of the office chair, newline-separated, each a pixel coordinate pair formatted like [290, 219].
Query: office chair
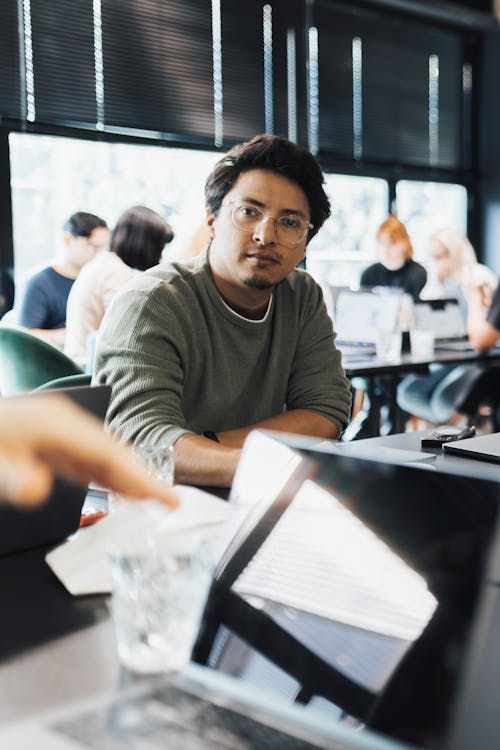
[27, 362]
[466, 389]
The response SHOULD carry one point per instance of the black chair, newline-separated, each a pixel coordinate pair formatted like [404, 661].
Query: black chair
[468, 389]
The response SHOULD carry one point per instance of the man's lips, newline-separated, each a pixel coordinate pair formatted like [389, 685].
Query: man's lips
[262, 258]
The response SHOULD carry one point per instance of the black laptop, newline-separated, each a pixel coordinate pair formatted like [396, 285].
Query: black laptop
[361, 581]
[53, 521]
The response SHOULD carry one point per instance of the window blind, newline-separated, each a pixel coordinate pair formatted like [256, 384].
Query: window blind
[63, 61]
[409, 89]
[10, 79]
[382, 87]
[157, 59]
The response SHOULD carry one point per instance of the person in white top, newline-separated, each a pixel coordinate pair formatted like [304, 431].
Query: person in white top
[453, 264]
[136, 244]
[438, 396]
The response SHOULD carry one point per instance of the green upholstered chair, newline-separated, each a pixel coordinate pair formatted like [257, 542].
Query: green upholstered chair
[27, 362]
[70, 381]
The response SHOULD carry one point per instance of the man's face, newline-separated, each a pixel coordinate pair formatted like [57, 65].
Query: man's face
[256, 258]
[83, 249]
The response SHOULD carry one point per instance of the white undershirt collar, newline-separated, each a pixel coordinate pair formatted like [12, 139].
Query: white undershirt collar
[250, 320]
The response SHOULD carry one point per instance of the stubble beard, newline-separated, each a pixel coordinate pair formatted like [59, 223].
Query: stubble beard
[258, 284]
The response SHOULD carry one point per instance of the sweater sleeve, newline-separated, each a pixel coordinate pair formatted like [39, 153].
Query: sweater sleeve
[317, 380]
[142, 363]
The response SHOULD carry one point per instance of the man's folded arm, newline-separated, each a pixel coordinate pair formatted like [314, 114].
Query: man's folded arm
[299, 421]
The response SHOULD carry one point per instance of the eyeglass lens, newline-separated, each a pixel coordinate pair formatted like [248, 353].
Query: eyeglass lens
[289, 228]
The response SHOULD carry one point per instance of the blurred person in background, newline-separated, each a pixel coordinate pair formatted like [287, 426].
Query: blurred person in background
[6, 290]
[43, 307]
[395, 266]
[453, 265]
[454, 273]
[137, 243]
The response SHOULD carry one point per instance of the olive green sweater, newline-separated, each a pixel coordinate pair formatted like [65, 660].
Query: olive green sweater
[179, 360]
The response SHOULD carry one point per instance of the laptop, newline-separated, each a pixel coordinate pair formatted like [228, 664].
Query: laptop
[445, 317]
[482, 447]
[359, 316]
[349, 560]
[59, 516]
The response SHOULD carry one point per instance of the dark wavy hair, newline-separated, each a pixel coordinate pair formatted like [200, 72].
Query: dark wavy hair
[275, 154]
[81, 224]
[139, 237]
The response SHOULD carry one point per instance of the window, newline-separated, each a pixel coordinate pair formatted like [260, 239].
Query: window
[53, 177]
[346, 242]
[428, 206]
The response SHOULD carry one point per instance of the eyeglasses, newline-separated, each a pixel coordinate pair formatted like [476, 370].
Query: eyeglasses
[291, 229]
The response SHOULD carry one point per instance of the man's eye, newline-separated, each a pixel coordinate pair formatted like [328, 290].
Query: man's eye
[249, 211]
[290, 222]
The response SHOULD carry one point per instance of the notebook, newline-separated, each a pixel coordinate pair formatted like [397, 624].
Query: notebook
[359, 316]
[482, 447]
[445, 317]
[60, 515]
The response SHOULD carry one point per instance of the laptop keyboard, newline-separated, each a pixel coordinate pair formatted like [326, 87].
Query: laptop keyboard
[172, 718]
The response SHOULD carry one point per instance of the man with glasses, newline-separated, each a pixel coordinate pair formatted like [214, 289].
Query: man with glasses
[199, 354]
[43, 308]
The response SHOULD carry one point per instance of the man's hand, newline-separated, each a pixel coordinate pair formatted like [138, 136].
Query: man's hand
[41, 436]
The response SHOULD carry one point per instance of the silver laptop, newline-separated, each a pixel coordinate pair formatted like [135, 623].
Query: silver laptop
[482, 447]
[359, 316]
[446, 318]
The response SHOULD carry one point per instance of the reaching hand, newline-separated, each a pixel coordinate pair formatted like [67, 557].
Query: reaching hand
[41, 436]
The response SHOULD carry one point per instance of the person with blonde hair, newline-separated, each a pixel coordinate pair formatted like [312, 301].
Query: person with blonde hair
[395, 267]
[436, 397]
[453, 264]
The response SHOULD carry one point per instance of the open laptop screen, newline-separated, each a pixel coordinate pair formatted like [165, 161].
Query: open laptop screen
[359, 316]
[443, 316]
[372, 568]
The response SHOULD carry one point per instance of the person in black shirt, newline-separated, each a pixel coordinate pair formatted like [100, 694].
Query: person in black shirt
[396, 267]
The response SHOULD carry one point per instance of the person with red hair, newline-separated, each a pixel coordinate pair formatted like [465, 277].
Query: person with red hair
[395, 267]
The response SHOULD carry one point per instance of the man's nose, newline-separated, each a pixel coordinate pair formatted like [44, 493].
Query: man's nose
[265, 231]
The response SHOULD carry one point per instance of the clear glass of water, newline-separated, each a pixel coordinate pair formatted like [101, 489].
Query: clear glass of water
[158, 599]
[421, 342]
[160, 463]
[388, 346]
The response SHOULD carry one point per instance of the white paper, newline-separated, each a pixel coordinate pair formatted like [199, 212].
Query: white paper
[82, 563]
